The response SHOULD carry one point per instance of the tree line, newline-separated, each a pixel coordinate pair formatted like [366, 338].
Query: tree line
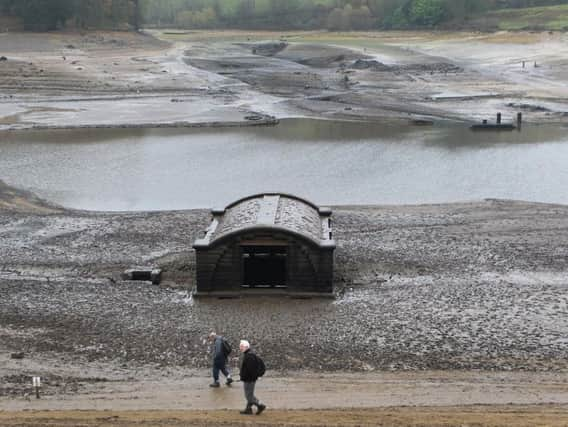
[341, 15]
[45, 15]
[336, 15]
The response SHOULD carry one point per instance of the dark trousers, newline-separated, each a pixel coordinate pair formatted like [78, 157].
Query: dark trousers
[220, 366]
[249, 394]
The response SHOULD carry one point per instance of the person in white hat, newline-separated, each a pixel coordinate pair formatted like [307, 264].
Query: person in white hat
[252, 368]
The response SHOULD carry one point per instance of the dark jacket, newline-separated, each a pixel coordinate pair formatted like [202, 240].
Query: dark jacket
[249, 367]
[219, 357]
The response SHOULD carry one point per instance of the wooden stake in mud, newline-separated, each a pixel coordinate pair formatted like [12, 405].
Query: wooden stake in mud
[519, 120]
[36, 381]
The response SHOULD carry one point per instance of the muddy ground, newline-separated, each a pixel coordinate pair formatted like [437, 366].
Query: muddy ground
[465, 286]
[439, 295]
[238, 78]
[408, 417]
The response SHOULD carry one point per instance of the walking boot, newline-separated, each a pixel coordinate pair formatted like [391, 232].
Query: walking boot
[215, 384]
[261, 408]
[247, 411]
[229, 381]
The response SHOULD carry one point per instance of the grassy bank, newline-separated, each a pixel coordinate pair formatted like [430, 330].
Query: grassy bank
[551, 18]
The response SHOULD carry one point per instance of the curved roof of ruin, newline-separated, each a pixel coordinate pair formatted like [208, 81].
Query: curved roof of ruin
[276, 211]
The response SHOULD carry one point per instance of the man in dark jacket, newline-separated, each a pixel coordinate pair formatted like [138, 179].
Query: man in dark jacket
[249, 375]
[219, 359]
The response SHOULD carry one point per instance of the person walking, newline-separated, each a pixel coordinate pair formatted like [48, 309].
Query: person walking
[252, 367]
[221, 349]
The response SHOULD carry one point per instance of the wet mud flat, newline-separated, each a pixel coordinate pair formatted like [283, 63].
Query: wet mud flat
[106, 79]
[393, 76]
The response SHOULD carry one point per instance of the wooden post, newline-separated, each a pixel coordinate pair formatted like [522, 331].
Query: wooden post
[36, 382]
[498, 118]
[519, 120]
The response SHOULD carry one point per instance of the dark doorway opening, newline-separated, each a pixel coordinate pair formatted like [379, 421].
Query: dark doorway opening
[264, 266]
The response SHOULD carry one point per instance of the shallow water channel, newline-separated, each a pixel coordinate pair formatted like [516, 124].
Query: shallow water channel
[328, 162]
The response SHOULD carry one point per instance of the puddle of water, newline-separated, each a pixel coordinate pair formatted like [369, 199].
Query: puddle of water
[325, 161]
